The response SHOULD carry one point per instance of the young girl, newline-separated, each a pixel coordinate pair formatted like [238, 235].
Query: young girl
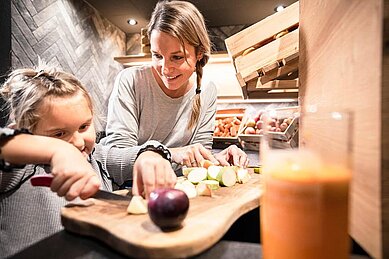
[56, 108]
[168, 101]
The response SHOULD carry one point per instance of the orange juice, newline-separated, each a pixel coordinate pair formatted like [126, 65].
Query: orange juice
[304, 210]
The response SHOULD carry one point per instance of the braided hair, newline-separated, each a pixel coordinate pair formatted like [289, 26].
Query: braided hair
[184, 21]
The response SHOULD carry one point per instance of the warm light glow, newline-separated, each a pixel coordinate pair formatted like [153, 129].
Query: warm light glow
[132, 22]
[279, 8]
[336, 115]
[283, 91]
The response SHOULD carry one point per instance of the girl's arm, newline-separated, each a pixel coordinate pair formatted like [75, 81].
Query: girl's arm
[73, 175]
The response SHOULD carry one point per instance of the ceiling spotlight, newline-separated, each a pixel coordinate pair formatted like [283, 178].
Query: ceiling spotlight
[279, 8]
[132, 22]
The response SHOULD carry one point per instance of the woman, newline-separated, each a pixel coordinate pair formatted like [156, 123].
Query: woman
[168, 101]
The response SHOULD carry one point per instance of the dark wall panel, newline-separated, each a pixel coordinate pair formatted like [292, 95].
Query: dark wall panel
[70, 34]
[5, 49]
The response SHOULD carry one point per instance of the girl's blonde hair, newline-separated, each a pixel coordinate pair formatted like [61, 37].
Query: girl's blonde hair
[27, 88]
[184, 21]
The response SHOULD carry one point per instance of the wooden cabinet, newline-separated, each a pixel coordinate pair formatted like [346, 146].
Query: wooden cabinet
[344, 65]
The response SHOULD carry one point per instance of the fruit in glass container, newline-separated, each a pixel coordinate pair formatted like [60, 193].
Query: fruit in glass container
[168, 208]
[250, 123]
[249, 130]
[259, 124]
[283, 126]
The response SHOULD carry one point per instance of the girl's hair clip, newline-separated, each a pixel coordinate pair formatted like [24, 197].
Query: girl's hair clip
[47, 76]
[39, 73]
[198, 90]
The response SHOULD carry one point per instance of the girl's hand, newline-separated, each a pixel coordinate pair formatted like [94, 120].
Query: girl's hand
[73, 176]
[192, 155]
[232, 156]
[152, 171]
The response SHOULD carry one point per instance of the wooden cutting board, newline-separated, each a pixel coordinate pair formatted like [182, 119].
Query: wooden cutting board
[207, 221]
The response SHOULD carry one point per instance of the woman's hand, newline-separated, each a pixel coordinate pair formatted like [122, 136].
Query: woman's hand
[73, 176]
[232, 156]
[192, 155]
[152, 171]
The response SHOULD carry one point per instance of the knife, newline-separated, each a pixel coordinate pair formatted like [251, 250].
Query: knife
[45, 180]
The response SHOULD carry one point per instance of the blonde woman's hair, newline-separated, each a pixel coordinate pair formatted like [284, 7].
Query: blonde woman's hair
[27, 88]
[184, 21]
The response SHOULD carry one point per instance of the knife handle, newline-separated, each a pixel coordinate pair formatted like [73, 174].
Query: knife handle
[41, 180]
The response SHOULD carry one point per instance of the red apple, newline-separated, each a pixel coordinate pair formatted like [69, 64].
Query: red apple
[258, 116]
[168, 208]
[259, 124]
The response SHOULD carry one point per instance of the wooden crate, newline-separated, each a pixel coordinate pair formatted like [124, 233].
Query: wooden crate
[228, 114]
[285, 139]
[267, 52]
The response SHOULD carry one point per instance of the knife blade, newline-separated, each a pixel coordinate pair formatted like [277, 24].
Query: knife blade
[45, 181]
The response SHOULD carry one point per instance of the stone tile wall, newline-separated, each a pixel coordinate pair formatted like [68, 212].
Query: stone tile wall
[72, 35]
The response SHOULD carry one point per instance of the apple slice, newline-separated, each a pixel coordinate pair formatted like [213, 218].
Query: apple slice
[137, 205]
[206, 163]
[187, 170]
[214, 172]
[213, 184]
[197, 175]
[228, 176]
[180, 179]
[203, 189]
[243, 175]
[187, 187]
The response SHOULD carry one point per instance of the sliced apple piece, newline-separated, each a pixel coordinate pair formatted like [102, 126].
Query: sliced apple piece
[180, 179]
[137, 205]
[243, 175]
[203, 189]
[187, 170]
[206, 163]
[187, 187]
[213, 184]
[228, 176]
[197, 175]
[214, 172]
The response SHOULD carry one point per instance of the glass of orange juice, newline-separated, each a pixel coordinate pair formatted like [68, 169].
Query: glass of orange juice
[304, 209]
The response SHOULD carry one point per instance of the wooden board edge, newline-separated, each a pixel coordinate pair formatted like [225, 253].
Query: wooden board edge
[84, 227]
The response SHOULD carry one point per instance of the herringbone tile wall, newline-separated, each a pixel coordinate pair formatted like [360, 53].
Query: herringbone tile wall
[72, 35]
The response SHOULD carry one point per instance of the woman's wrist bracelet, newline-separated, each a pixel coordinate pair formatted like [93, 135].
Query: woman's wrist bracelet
[160, 149]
